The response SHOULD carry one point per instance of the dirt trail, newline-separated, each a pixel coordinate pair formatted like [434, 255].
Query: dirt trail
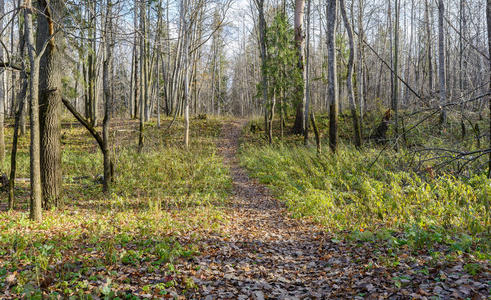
[264, 254]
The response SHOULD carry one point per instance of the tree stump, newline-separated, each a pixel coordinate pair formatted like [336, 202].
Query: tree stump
[380, 134]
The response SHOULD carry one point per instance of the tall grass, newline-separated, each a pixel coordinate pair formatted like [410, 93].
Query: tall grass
[159, 194]
[343, 193]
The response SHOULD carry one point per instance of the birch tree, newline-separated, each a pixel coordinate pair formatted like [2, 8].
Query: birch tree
[441, 61]
[184, 8]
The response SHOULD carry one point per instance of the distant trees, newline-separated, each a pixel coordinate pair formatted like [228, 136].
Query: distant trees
[198, 57]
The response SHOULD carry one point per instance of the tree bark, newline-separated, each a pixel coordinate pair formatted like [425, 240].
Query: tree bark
[184, 8]
[306, 85]
[299, 126]
[142, 81]
[361, 55]
[349, 76]
[441, 62]
[395, 82]
[262, 41]
[35, 159]
[19, 120]
[332, 85]
[107, 72]
[429, 48]
[50, 104]
[92, 96]
[2, 93]
[488, 21]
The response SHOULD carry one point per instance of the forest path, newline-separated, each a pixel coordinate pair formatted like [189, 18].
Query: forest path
[262, 252]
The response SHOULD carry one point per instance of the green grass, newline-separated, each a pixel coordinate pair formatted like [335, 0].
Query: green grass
[159, 195]
[349, 193]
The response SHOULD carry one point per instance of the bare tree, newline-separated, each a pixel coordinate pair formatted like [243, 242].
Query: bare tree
[349, 84]
[441, 61]
[429, 47]
[184, 8]
[50, 104]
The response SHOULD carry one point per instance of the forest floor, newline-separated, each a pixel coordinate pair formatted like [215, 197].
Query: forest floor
[264, 253]
[191, 224]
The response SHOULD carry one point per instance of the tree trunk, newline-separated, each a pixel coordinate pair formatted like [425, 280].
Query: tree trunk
[488, 21]
[92, 105]
[441, 62]
[262, 37]
[19, 117]
[429, 49]
[271, 117]
[144, 60]
[299, 126]
[142, 79]
[50, 104]
[349, 84]
[395, 83]
[35, 159]
[359, 74]
[184, 8]
[2, 93]
[332, 85]
[306, 85]
[107, 72]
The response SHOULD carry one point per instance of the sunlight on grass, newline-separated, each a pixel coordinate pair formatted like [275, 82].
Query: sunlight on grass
[158, 197]
[342, 193]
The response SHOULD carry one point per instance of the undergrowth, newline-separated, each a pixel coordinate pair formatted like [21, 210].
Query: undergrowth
[160, 195]
[366, 198]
